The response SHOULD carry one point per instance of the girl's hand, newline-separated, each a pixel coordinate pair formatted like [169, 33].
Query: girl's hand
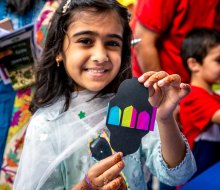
[165, 91]
[105, 175]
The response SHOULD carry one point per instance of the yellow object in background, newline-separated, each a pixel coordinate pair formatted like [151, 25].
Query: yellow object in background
[126, 2]
[216, 88]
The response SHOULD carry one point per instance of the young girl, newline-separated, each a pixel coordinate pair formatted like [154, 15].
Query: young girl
[87, 56]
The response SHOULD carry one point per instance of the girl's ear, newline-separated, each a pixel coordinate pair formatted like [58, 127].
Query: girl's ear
[193, 64]
[59, 58]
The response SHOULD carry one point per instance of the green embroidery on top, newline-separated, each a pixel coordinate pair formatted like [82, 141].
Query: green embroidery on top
[82, 114]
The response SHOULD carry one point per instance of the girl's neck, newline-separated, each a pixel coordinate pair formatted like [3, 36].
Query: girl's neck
[85, 92]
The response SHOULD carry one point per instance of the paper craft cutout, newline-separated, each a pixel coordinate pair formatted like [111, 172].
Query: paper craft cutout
[130, 116]
[100, 148]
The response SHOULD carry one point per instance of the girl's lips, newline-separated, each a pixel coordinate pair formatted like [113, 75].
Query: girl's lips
[96, 70]
[96, 73]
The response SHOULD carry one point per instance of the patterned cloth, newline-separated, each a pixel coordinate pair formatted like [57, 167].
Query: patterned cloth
[15, 139]
[21, 114]
[43, 21]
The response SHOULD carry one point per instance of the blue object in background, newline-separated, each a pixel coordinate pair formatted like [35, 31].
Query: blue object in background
[21, 20]
[7, 96]
[7, 93]
[208, 180]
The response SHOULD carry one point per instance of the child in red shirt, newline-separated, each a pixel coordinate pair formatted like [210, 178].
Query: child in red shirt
[200, 110]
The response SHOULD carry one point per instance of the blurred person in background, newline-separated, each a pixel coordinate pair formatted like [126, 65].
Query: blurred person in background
[201, 57]
[162, 26]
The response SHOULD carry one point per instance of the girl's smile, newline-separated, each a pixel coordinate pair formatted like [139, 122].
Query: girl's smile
[92, 49]
[96, 72]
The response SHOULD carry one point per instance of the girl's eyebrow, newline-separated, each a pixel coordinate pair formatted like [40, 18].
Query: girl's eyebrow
[96, 34]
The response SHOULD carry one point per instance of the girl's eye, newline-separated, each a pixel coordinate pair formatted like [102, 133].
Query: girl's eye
[113, 43]
[86, 41]
[217, 59]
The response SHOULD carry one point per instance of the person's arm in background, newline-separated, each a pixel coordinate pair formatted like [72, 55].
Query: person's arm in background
[153, 19]
[216, 117]
[146, 50]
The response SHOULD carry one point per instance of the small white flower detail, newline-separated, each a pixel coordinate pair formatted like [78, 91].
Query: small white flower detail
[66, 6]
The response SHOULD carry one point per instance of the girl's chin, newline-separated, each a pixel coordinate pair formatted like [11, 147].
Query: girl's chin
[95, 88]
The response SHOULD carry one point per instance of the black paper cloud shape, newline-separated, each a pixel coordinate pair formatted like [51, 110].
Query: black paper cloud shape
[130, 116]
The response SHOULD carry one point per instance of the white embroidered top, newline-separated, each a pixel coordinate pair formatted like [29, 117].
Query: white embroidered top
[56, 154]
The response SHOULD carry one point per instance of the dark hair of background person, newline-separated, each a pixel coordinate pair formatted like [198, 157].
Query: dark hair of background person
[21, 7]
[52, 82]
[197, 44]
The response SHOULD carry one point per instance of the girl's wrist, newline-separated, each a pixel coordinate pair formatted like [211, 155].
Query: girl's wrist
[82, 185]
[87, 183]
[168, 120]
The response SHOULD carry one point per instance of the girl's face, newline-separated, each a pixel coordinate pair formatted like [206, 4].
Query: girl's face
[92, 49]
[210, 69]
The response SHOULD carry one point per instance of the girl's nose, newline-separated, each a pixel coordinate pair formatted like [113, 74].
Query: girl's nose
[99, 55]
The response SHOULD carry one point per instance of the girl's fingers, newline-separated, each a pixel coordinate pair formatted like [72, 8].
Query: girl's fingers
[161, 77]
[95, 174]
[104, 165]
[157, 90]
[151, 91]
[171, 80]
[151, 78]
[185, 89]
[123, 186]
[115, 184]
[111, 173]
[157, 97]
[145, 76]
